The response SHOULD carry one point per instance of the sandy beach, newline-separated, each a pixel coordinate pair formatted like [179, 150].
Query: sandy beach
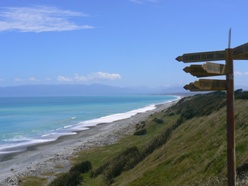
[54, 156]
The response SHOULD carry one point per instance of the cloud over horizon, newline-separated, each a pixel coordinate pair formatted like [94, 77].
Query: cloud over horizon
[39, 19]
[91, 77]
[241, 73]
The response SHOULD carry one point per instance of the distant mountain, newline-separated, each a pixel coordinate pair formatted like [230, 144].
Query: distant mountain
[93, 89]
[70, 90]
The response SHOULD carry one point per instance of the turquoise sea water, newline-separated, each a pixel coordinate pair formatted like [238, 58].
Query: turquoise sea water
[25, 121]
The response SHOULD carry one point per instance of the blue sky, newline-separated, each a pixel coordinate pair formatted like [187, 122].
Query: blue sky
[114, 42]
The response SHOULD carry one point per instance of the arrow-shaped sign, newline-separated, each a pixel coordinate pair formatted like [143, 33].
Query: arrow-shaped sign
[211, 84]
[207, 85]
[241, 52]
[202, 56]
[214, 68]
[191, 87]
[207, 69]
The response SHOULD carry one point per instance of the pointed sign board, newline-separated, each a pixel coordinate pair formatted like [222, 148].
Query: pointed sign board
[207, 85]
[205, 70]
[240, 52]
[191, 87]
[211, 84]
[202, 56]
[196, 70]
[217, 69]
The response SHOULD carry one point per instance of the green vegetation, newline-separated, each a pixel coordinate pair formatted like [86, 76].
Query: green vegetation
[183, 145]
[240, 94]
[74, 176]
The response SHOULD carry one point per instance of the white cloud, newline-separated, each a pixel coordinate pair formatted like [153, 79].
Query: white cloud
[63, 78]
[19, 80]
[27, 80]
[107, 76]
[241, 73]
[33, 79]
[78, 77]
[39, 19]
[91, 77]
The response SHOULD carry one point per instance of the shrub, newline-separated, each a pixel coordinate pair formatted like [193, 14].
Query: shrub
[140, 125]
[140, 132]
[157, 120]
[171, 114]
[68, 179]
[82, 167]
[239, 94]
[74, 176]
[242, 170]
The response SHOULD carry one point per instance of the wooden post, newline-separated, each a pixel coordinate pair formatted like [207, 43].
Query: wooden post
[231, 156]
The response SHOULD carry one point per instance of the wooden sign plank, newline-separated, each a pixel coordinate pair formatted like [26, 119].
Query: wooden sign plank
[196, 70]
[211, 84]
[207, 85]
[214, 68]
[191, 87]
[202, 56]
[205, 70]
[241, 52]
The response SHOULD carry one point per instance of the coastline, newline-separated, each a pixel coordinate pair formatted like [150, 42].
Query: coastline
[55, 156]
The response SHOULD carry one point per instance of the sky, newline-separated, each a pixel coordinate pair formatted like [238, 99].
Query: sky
[115, 42]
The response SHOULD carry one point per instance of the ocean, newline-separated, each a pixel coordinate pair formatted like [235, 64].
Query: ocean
[26, 121]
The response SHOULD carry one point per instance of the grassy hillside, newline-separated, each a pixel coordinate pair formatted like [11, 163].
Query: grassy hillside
[185, 145]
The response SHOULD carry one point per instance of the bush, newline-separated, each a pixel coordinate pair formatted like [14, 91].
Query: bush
[82, 167]
[68, 179]
[242, 170]
[140, 132]
[171, 114]
[140, 125]
[74, 176]
[159, 121]
[240, 94]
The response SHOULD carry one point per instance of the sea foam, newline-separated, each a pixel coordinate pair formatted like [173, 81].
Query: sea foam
[111, 118]
[71, 125]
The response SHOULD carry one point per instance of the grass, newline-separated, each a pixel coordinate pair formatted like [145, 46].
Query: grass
[194, 153]
[33, 181]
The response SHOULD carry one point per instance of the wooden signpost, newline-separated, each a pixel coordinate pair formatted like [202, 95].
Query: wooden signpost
[202, 56]
[241, 52]
[207, 85]
[213, 69]
[205, 70]
[217, 69]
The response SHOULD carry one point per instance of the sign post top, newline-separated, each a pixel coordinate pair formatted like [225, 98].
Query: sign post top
[238, 53]
[202, 56]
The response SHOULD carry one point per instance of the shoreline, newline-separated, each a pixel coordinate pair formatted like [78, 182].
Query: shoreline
[55, 156]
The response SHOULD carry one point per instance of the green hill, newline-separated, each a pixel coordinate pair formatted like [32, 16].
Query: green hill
[183, 145]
